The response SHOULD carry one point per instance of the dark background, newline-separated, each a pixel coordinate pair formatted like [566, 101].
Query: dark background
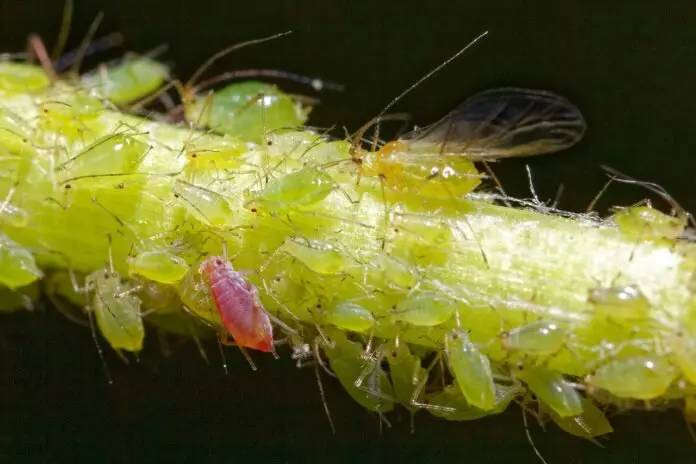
[631, 68]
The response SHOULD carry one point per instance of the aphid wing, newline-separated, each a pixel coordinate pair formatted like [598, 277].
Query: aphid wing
[502, 123]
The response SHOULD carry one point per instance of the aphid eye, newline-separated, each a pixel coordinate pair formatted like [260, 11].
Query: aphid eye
[393, 354]
[318, 305]
[176, 195]
[253, 210]
[68, 186]
[269, 142]
[193, 155]
[218, 262]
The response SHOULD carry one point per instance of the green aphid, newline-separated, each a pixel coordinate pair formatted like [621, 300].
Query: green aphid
[536, 339]
[620, 303]
[590, 424]
[17, 264]
[158, 266]
[128, 81]
[347, 361]
[298, 190]
[110, 155]
[406, 374]
[641, 377]
[247, 110]
[451, 405]
[320, 258]
[13, 215]
[388, 270]
[22, 77]
[471, 369]
[205, 205]
[214, 153]
[117, 311]
[350, 316]
[423, 310]
[646, 223]
[66, 106]
[551, 388]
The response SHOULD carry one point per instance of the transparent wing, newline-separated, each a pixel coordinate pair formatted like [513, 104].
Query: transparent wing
[502, 123]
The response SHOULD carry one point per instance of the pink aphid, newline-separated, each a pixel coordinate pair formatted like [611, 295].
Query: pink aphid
[237, 301]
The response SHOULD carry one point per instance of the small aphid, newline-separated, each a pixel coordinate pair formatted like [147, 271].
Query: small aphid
[424, 310]
[471, 369]
[238, 303]
[22, 77]
[348, 363]
[646, 223]
[642, 377]
[158, 266]
[452, 406]
[551, 388]
[300, 189]
[406, 373]
[127, 81]
[117, 311]
[206, 205]
[536, 339]
[350, 316]
[322, 259]
[120, 154]
[590, 424]
[620, 303]
[206, 153]
[17, 264]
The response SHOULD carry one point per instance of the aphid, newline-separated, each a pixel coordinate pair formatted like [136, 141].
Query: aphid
[348, 364]
[247, 109]
[641, 377]
[424, 310]
[551, 388]
[451, 405]
[17, 264]
[536, 339]
[117, 310]
[320, 258]
[206, 205]
[406, 373]
[300, 189]
[437, 161]
[22, 77]
[239, 306]
[206, 153]
[620, 303]
[119, 153]
[471, 369]
[127, 81]
[350, 316]
[158, 266]
[590, 424]
[647, 223]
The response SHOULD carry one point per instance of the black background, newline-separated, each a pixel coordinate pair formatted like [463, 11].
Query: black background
[631, 68]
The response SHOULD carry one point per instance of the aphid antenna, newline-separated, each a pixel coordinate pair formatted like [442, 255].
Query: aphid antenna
[316, 83]
[81, 51]
[529, 435]
[107, 42]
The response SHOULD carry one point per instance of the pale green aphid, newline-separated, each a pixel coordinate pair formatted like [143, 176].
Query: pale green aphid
[424, 310]
[422, 240]
[196, 297]
[347, 362]
[13, 215]
[300, 189]
[350, 316]
[393, 271]
[320, 258]
[551, 388]
[214, 153]
[117, 311]
[17, 264]
[641, 377]
[452, 405]
[471, 369]
[536, 339]
[22, 77]
[248, 110]
[114, 154]
[159, 266]
[620, 303]
[406, 373]
[646, 223]
[590, 424]
[206, 205]
[128, 80]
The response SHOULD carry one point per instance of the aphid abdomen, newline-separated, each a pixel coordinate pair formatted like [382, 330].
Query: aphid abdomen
[471, 369]
[551, 388]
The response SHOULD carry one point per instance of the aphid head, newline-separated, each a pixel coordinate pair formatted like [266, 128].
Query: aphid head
[213, 264]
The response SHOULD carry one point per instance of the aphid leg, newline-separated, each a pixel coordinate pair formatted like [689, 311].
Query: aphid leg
[100, 352]
[222, 352]
[64, 31]
[36, 48]
[82, 50]
[529, 435]
[323, 396]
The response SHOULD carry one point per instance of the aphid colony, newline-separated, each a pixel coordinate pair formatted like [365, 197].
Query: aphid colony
[375, 264]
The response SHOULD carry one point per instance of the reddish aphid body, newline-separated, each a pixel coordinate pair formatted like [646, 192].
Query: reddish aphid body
[238, 303]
